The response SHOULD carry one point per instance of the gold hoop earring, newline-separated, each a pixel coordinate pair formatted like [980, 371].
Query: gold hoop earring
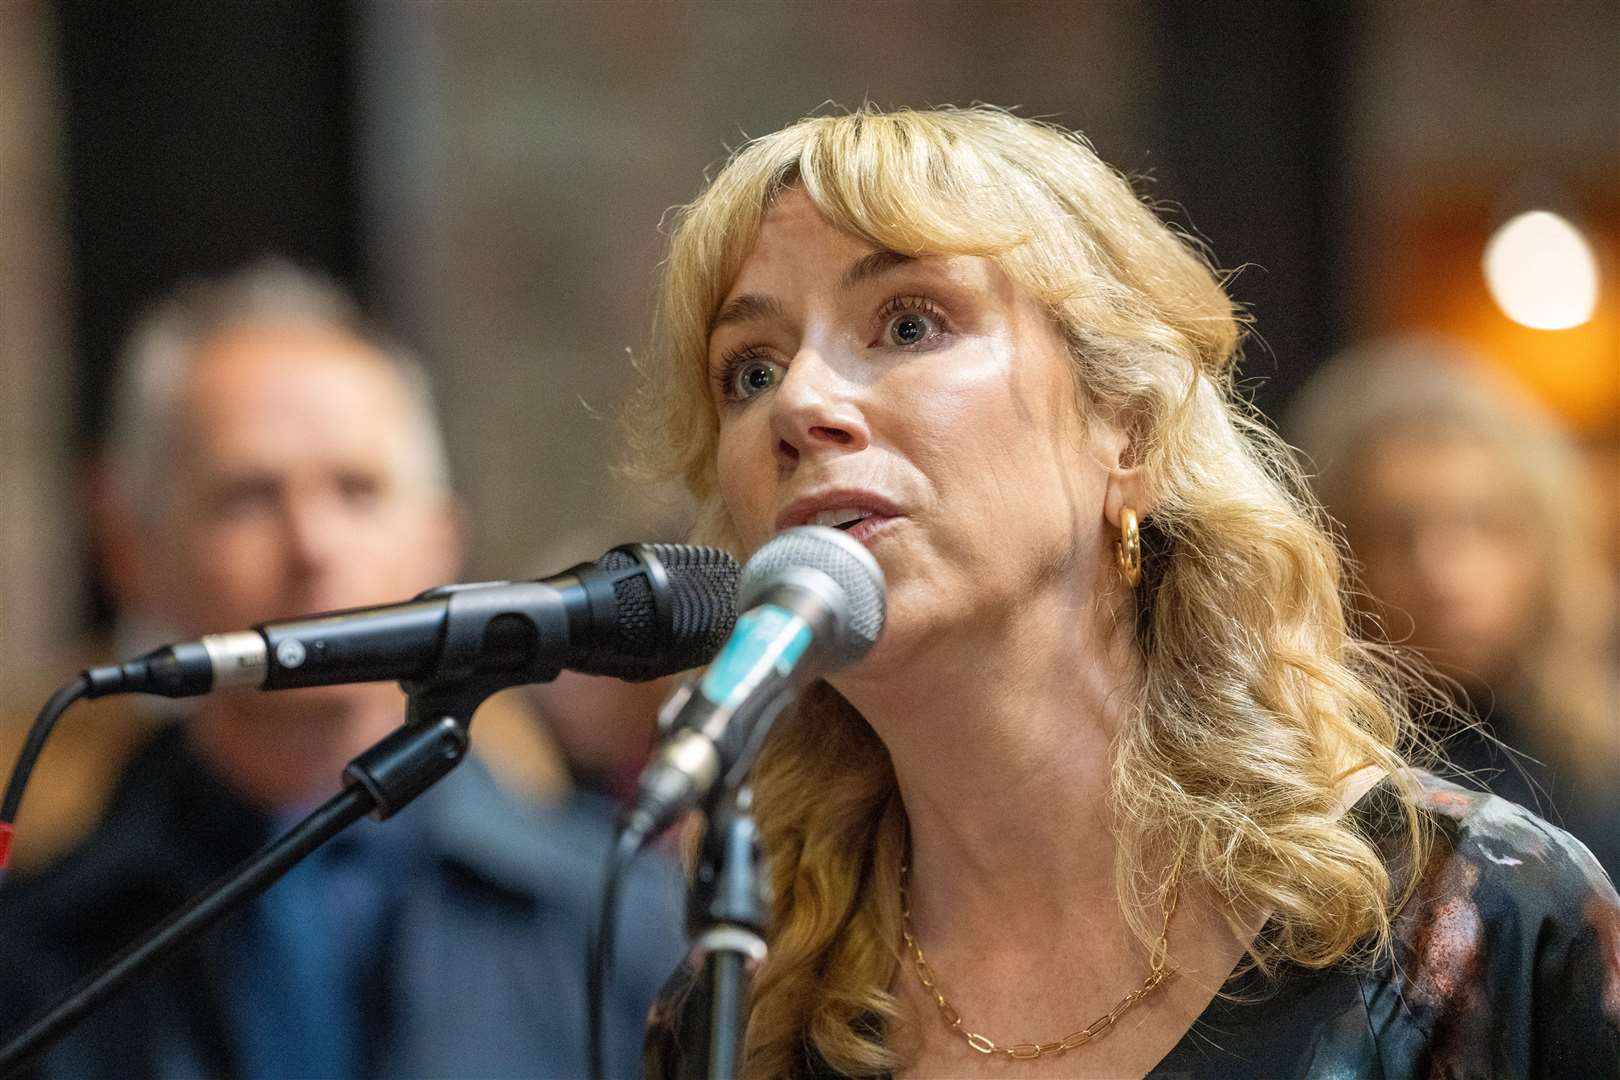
[1128, 548]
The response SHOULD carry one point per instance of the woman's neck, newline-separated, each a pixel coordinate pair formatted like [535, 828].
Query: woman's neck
[1002, 744]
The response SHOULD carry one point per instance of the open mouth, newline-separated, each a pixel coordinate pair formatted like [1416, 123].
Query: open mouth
[841, 519]
[860, 514]
[859, 525]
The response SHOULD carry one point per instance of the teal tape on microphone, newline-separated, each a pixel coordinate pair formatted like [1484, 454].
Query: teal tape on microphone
[758, 634]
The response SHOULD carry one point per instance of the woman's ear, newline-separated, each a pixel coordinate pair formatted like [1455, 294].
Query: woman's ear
[1116, 448]
[1125, 489]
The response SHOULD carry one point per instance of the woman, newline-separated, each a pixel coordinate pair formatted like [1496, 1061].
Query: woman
[1115, 741]
[1464, 504]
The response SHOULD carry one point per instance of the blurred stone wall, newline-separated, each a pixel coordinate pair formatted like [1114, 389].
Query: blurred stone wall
[521, 156]
[40, 553]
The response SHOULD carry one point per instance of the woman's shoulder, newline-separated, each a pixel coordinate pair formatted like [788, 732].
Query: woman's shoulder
[1507, 951]
[1493, 850]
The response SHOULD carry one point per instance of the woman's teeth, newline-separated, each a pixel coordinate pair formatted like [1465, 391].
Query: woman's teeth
[840, 519]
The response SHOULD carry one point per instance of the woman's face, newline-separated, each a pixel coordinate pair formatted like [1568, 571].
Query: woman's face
[1447, 551]
[928, 398]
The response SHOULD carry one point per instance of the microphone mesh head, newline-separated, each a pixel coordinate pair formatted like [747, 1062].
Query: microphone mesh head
[703, 589]
[838, 556]
[636, 630]
[699, 606]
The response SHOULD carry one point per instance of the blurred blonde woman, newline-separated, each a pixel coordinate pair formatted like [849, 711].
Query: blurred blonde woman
[1117, 793]
[1464, 504]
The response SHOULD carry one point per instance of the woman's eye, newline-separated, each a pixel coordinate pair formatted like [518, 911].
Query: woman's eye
[910, 328]
[751, 376]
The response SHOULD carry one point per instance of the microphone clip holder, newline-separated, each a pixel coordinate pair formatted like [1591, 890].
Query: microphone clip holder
[431, 742]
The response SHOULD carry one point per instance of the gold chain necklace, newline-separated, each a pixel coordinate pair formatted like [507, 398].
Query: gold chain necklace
[1026, 1051]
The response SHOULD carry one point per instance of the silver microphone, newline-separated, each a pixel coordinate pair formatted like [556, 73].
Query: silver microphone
[811, 602]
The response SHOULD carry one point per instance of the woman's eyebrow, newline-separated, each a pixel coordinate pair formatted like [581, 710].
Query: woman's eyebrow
[870, 266]
[751, 307]
[747, 308]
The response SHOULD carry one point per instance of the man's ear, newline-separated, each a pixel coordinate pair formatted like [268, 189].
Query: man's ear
[122, 542]
[451, 537]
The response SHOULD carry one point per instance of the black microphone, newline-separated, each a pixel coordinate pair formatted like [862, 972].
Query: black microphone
[639, 612]
[812, 602]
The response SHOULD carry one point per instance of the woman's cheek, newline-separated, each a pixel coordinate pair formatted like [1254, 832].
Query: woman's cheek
[744, 487]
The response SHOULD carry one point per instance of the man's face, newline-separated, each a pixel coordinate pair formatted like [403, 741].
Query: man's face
[297, 485]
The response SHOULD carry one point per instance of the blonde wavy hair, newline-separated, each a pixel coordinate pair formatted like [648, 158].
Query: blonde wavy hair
[1257, 700]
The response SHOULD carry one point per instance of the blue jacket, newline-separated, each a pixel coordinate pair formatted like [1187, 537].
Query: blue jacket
[480, 974]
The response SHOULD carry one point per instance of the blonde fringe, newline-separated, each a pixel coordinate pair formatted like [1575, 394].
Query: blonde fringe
[1248, 660]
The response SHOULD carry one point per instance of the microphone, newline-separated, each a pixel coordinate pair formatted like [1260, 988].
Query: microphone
[813, 602]
[639, 612]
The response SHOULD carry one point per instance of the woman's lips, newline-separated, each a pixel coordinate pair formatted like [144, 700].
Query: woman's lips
[868, 527]
[834, 507]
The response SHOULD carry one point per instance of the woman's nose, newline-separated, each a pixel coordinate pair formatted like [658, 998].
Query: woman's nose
[816, 410]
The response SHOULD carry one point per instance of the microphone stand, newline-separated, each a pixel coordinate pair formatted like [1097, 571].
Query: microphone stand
[726, 920]
[380, 781]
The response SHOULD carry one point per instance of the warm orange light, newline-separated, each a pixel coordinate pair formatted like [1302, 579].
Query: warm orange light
[1428, 280]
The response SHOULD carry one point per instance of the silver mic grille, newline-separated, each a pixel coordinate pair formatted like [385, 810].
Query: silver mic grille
[844, 560]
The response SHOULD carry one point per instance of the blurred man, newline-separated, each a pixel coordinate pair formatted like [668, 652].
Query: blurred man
[269, 458]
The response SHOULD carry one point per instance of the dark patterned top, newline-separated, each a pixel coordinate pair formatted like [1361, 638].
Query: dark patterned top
[1506, 963]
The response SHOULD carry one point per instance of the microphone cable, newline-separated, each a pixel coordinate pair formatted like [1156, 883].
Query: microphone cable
[599, 949]
[71, 691]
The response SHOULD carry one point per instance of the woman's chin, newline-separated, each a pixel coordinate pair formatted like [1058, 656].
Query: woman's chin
[896, 654]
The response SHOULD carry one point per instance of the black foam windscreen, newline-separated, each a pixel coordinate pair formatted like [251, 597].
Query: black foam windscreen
[674, 607]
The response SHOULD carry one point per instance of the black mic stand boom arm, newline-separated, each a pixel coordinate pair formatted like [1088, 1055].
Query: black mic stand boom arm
[381, 781]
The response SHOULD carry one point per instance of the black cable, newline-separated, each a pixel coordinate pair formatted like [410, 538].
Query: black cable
[53, 709]
[599, 948]
[255, 874]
